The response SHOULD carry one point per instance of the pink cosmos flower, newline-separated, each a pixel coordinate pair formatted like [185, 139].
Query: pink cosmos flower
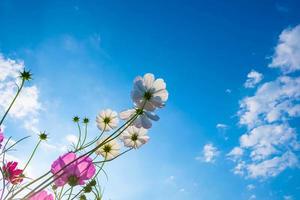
[75, 173]
[42, 195]
[12, 173]
[1, 137]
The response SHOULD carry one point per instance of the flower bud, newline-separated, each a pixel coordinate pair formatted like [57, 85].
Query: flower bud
[76, 119]
[82, 197]
[26, 75]
[43, 136]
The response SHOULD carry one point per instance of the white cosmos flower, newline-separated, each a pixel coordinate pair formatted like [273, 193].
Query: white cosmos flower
[107, 120]
[135, 137]
[143, 119]
[109, 150]
[149, 92]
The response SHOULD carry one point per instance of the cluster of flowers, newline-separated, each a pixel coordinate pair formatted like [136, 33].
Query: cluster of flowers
[74, 174]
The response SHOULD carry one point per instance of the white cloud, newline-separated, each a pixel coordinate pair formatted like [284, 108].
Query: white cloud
[221, 126]
[72, 138]
[253, 78]
[287, 51]
[181, 190]
[209, 153]
[288, 197]
[170, 179]
[228, 91]
[270, 144]
[273, 166]
[268, 139]
[235, 154]
[273, 101]
[27, 105]
[252, 197]
[9, 68]
[250, 187]
[239, 169]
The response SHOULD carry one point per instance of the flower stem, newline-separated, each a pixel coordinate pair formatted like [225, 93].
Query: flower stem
[32, 154]
[127, 124]
[13, 101]
[91, 142]
[101, 167]
[60, 194]
[79, 136]
[70, 194]
[32, 182]
[85, 135]
[3, 183]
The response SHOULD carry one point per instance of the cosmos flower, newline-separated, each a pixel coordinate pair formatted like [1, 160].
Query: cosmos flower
[109, 150]
[143, 120]
[135, 137]
[1, 137]
[74, 174]
[42, 195]
[149, 92]
[107, 120]
[12, 174]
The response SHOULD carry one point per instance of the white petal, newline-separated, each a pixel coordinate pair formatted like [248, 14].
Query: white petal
[163, 94]
[138, 122]
[159, 84]
[128, 143]
[101, 125]
[125, 115]
[146, 123]
[144, 139]
[143, 131]
[108, 112]
[131, 129]
[113, 123]
[137, 95]
[99, 119]
[152, 116]
[114, 114]
[138, 143]
[148, 80]
[148, 106]
[157, 102]
[102, 114]
[138, 86]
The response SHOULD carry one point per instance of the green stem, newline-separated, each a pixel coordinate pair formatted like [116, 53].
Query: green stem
[104, 161]
[30, 158]
[127, 124]
[9, 148]
[66, 192]
[3, 183]
[60, 194]
[70, 194]
[93, 179]
[85, 135]
[91, 142]
[32, 154]
[13, 101]
[79, 137]
[2, 171]
[32, 182]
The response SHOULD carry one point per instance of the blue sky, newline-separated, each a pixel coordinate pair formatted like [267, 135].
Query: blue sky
[85, 54]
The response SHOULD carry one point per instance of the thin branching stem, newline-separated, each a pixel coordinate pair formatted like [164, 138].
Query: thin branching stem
[13, 101]
[127, 124]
